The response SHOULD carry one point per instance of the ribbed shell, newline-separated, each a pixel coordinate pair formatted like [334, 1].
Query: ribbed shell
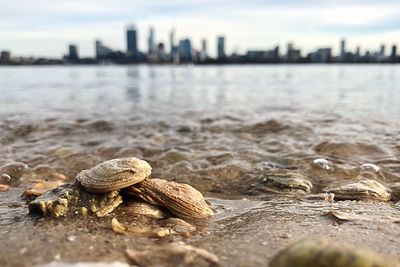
[114, 174]
[181, 199]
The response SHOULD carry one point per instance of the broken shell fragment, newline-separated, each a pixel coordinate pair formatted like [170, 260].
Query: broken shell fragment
[178, 226]
[142, 230]
[40, 188]
[71, 197]
[171, 255]
[321, 253]
[3, 187]
[114, 174]
[180, 199]
[145, 209]
[369, 190]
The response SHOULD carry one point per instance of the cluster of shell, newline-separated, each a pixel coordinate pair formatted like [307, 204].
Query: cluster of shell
[294, 182]
[101, 184]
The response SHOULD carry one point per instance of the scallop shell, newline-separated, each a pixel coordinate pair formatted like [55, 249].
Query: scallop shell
[180, 199]
[114, 174]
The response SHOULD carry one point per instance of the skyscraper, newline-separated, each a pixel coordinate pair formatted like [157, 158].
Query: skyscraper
[221, 48]
[203, 53]
[358, 52]
[101, 50]
[342, 50]
[5, 56]
[131, 42]
[185, 51]
[151, 40]
[172, 42]
[73, 52]
[393, 55]
[381, 56]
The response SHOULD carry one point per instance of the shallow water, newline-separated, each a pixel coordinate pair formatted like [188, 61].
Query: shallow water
[219, 129]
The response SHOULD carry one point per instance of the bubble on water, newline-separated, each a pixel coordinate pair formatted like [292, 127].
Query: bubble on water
[370, 166]
[323, 163]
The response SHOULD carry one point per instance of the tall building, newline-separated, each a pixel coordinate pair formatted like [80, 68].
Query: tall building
[172, 42]
[98, 48]
[73, 52]
[381, 56]
[322, 55]
[292, 55]
[131, 42]
[289, 51]
[151, 41]
[203, 52]
[393, 55]
[101, 50]
[5, 56]
[342, 50]
[221, 48]
[185, 51]
[358, 51]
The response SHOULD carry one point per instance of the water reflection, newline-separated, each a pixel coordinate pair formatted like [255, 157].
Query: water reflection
[343, 89]
[132, 87]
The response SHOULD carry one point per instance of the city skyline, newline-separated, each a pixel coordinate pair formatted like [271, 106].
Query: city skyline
[45, 28]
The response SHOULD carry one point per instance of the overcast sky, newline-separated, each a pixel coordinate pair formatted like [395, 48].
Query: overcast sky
[46, 27]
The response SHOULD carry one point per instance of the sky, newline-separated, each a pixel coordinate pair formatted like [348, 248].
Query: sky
[46, 27]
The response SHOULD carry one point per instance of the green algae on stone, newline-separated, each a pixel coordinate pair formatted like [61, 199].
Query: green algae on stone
[68, 198]
[324, 253]
[284, 181]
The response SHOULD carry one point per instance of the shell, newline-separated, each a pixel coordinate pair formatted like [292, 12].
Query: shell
[283, 181]
[368, 190]
[11, 172]
[180, 199]
[114, 174]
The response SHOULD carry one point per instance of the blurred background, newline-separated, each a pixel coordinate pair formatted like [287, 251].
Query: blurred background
[93, 32]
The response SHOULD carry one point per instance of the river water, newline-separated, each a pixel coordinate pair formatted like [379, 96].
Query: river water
[218, 128]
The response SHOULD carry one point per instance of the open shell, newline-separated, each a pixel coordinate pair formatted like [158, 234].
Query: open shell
[114, 174]
[180, 199]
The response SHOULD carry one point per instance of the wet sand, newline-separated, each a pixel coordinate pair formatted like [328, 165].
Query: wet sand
[224, 156]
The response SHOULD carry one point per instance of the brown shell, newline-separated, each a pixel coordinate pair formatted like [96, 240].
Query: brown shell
[367, 190]
[181, 199]
[114, 174]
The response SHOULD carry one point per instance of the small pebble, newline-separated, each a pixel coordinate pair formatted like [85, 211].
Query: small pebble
[323, 163]
[369, 166]
[23, 251]
[4, 187]
[4, 177]
[71, 238]
[285, 235]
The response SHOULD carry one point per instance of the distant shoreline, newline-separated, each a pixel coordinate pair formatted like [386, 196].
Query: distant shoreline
[201, 64]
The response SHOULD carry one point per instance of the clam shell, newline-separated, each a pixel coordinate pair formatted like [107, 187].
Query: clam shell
[114, 174]
[367, 190]
[180, 199]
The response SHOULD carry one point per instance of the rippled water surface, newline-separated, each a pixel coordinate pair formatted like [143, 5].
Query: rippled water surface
[59, 91]
[218, 128]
